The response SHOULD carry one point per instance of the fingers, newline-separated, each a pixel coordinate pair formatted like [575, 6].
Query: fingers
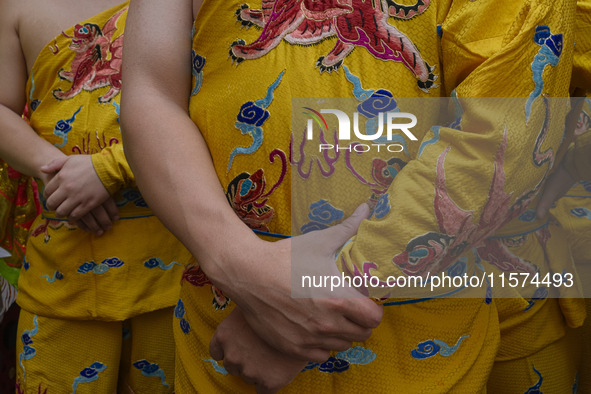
[365, 313]
[91, 225]
[54, 165]
[337, 235]
[111, 208]
[81, 226]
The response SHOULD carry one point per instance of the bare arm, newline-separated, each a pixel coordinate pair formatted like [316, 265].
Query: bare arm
[21, 147]
[175, 173]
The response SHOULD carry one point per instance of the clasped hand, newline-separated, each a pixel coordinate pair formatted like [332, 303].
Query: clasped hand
[74, 191]
[268, 339]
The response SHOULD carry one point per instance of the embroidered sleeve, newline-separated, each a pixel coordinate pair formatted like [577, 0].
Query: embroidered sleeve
[473, 178]
[112, 168]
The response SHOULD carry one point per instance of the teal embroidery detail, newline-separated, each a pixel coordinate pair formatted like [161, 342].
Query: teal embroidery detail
[100, 268]
[34, 103]
[28, 351]
[156, 262]
[435, 139]
[218, 368]
[251, 117]
[581, 212]
[535, 389]
[149, 369]
[456, 124]
[433, 347]
[117, 109]
[549, 54]
[89, 374]
[357, 355]
[56, 276]
[341, 362]
[62, 127]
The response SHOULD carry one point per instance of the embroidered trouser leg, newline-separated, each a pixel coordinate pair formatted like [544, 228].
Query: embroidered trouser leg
[96, 357]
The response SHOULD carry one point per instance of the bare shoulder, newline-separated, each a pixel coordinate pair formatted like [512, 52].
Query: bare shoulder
[39, 21]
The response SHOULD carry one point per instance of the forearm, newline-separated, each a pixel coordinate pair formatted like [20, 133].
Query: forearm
[21, 147]
[183, 189]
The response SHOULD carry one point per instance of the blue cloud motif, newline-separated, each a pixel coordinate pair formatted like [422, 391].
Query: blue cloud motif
[62, 127]
[100, 268]
[218, 368]
[185, 326]
[197, 64]
[179, 310]
[380, 101]
[148, 369]
[311, 365]
[89, 374]
[334, 365]
[28, 351]
[357, 355]
[86, 267]
[134, 196]
[433, 347]
[549, 54]
[179, 313]
[113, 262]
[459, 268]
[586, 185]
[528, 216]
[252, 114]
[541, 293]
[425, 350]
[156, 262]
[26, 264]
[321, 214]
[251, 117]
[382, 207]
[56, 276]
[581, 212]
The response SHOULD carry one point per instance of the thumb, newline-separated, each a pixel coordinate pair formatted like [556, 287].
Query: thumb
[54, 165]
[342, 232]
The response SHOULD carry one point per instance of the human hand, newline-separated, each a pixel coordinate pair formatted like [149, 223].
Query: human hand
[556, 186]
[75, 191]
[304, 328]
[247, 356]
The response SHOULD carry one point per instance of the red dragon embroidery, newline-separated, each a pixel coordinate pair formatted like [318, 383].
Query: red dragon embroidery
[245, 192]
[355, 23]
[97, 62]
[433, 252]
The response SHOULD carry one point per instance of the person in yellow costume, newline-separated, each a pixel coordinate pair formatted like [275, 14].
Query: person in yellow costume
[101, 273]
[475, 174]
